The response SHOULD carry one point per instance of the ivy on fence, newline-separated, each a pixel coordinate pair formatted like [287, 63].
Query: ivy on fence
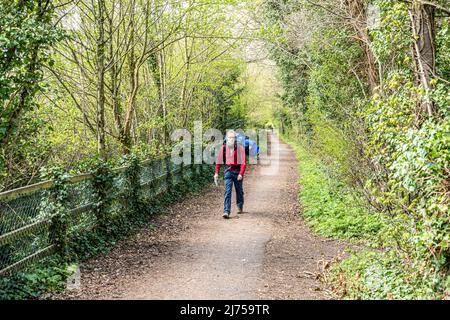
[54, 204]
[80, 216]
[102, 187]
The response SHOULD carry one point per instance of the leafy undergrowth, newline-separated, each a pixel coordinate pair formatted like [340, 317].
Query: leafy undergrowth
[47, 275]
[380, 275]
[371, 272]
[328, 207]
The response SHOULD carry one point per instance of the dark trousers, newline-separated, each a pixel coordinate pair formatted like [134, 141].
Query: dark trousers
[230, 178]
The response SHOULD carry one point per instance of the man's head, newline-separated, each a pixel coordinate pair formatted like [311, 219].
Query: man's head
[231, 137]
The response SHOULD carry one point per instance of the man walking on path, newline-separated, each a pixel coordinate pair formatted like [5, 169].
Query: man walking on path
[234, 172]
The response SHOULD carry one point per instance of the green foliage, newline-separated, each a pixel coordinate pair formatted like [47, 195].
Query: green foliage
[51, 118]
[415, 194]
[330, 88]
[164, 76]
[26, 36]
[102, 185]
[225, 94]
[412, 155]
[25, 39]
[443, 49]
[392, 40]
[330, 208]
[54, 205]
[48, 275]
[378, 145]
[383, 275]
[131, 196]
[120, 213]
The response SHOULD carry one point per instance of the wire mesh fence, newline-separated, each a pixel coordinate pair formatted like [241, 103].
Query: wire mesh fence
[80, 203]
[26, 215]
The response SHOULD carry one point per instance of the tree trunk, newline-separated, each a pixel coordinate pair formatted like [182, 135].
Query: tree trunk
[423, 29]
[133, 83]
[183, 97]
[13, 118]
[100, 56]
[135, 61]
[162, 94]
[114, 72]
[358, 12]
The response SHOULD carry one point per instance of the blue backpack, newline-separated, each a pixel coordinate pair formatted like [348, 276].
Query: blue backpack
[251, 147]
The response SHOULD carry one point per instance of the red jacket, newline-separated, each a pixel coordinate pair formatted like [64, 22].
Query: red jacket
[238, 164]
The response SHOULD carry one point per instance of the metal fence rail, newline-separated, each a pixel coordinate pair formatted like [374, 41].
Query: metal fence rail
[24, 212]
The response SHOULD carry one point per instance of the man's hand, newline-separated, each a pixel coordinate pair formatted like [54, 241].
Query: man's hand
[216, 176]
[216, 179]
[239, 177]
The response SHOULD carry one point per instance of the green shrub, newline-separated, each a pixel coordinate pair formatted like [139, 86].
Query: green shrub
[48, 275]
[382, 275]
[328, 206]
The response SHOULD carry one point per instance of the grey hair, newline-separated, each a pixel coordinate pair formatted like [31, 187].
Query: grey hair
[231, 131]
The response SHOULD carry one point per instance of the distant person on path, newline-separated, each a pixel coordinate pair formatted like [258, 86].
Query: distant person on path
[234, 154]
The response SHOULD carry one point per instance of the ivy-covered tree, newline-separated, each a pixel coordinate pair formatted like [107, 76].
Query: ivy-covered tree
[372, 101]
[26, 36]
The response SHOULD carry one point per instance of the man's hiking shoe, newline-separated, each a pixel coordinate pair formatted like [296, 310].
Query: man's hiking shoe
[226, 215]
[240, 210]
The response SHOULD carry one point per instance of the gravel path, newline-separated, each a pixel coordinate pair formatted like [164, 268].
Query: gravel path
[191, 252]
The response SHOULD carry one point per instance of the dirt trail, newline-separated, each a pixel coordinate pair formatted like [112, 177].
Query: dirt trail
[265, 253]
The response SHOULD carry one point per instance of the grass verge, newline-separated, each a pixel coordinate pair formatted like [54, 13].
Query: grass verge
[330, 208]
[372, 271]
